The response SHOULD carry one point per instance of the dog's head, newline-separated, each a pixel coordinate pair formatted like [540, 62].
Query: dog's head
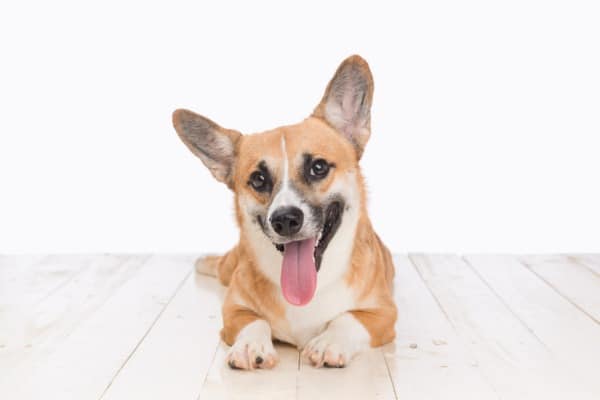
[293, 184]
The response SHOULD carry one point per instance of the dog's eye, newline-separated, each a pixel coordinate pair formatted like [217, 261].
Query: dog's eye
[259, 181]
[315, 169]
[319, 169]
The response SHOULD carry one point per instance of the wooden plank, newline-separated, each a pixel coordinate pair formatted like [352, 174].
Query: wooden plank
[573, 280]
[428, 359]
[223, 382]
[26, 280]
[13, 273]
[174, 358]
[44, 300]
[13, 300]
[84, 363]
[366, 377]
[571, 336]
[509, 353]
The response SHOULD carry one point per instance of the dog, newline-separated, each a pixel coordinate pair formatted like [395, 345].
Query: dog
[308, 269]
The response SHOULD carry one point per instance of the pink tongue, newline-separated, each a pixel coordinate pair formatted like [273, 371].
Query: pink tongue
[298, 272]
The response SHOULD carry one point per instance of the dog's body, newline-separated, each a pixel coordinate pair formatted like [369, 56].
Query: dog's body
[301, 206]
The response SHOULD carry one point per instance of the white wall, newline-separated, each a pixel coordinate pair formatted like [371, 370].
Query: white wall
[485, 124]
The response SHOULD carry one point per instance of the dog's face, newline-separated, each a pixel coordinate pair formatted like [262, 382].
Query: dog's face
[294, 183]
[288, 182]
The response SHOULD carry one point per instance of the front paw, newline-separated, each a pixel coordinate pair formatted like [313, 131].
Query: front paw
[343, 339]
[326, 350]
[253, 348]
[251, 355]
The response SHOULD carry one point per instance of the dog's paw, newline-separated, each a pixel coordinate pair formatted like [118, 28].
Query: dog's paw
[338, 344]
[252, 354]
[253, 348]
[325, 351]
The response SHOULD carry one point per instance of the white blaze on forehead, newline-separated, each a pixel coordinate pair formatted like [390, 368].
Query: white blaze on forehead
[286, 166]
[286, 196]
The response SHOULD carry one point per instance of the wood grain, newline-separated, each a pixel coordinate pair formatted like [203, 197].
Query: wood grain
[135, 326]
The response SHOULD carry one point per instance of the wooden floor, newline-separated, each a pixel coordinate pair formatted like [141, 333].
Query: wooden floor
[146, 327]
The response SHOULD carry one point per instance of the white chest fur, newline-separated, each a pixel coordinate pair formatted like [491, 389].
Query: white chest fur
[332, 296]
[304, 323]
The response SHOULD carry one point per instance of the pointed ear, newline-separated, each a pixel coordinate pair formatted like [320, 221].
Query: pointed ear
[215, 146]
[346, 104]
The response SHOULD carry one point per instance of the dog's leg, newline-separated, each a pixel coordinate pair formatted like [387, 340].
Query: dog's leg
[253, 347]
[344, 337]
[207, 265]
[220, 266]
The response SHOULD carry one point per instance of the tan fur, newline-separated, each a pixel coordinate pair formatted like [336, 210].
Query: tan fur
[371, 272]
[223, 266]
[251, 295]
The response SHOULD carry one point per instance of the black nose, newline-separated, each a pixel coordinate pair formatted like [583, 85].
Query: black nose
[287, 221]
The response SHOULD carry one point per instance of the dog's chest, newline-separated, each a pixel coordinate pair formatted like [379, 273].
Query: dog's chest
[303, 323]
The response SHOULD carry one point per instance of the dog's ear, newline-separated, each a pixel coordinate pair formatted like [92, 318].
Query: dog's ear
[215, 146]
[346, 104]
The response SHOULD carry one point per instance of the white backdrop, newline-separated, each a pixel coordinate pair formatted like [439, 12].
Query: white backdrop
[485, 122]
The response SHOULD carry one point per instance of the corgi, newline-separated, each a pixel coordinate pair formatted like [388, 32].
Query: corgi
[309, 269]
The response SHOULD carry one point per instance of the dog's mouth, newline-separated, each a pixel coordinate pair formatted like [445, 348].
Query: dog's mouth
[302, 259]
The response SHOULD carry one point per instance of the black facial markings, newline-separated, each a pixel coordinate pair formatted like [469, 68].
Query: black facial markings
[260, 180]
[316, 211]
[315, 169]
[306, 167]
[332, 219]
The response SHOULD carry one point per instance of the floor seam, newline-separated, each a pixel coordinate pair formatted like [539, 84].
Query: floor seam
[484, 375]
[561, 294]
[389, 373]
[504, 303]
[583, 264]
[138, 344]
[212, 361]
[437, 301]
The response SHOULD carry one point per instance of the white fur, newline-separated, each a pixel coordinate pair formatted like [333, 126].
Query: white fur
[344, 337]
[333, 297]
[287, 197]
[268, 258]
[284, 196]
[305, 322]
[254, 340]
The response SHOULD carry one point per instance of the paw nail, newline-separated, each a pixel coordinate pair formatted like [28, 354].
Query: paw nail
[259, 360]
